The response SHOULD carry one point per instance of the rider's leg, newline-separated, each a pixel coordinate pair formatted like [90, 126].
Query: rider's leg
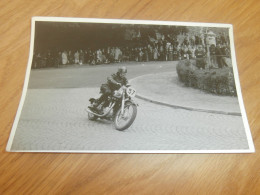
[101, 99]
[105, 91]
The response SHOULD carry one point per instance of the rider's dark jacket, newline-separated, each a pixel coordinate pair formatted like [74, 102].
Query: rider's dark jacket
[114, 79]
[110, 86]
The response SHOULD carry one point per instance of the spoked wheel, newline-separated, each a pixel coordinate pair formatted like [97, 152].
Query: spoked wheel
[124, 120]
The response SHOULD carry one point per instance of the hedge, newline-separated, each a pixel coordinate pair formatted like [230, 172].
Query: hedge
[217, 81]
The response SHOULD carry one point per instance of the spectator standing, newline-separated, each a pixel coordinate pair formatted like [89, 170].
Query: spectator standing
[146, 57]
[219, 55]
[81, 57]
[99, 56]
[191, 52]
[218, 39]
[132, 54]
[64, 58]
[106, 56]
[170, 52]
[192, 39]
[212, 51]
[225, 50]
[70, 57]
[150, 52]
[222, 38]
[225, 53]
[200, 57]
[136, 53]
[202, 39]
[186, 40]
[86, 56]
[92, 57]
[126, 54]
[76, 57]
[162, 53]
[112, 54]
[118, 54]
[175, 53]
[56, 58]
[155, 53]
[197, 40]
[141, 54]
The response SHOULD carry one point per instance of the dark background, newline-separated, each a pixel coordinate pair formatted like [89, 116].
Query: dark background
[65, 35]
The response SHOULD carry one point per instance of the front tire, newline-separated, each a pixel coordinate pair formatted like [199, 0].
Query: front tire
[119, 117]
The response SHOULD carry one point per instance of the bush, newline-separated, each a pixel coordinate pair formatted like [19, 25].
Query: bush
[217, 81]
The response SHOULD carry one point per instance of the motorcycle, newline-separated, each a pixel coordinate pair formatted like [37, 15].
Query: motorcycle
[121, 108]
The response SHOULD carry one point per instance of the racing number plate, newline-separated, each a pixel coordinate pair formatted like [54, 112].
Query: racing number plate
[131, 92]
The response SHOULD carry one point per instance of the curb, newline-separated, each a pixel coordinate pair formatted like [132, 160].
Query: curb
[188, 108]
[140, 96]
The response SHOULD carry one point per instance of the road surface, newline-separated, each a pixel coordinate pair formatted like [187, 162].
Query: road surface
[54, 118]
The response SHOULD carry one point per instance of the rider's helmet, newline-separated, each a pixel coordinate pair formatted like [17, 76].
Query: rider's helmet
[122, 69]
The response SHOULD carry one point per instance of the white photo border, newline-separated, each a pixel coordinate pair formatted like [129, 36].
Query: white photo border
[123, 21]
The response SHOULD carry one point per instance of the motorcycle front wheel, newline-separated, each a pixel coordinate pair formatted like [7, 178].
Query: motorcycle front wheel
[124, 120]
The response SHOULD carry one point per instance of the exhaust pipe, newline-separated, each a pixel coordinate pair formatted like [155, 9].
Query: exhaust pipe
[100, 115]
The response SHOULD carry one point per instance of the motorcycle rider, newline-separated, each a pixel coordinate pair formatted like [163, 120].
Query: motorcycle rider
[114, 82]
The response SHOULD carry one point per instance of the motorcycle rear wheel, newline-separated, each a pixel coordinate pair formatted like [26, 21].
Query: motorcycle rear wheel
[119, 117]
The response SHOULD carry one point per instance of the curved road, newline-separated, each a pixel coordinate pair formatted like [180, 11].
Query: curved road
[53, 117]
[92, 76]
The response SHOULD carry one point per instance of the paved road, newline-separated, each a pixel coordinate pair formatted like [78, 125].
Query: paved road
[92, 76]
[57, 121]
[54, 119]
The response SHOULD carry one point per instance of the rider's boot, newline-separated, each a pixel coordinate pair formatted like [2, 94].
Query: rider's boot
[95, 107]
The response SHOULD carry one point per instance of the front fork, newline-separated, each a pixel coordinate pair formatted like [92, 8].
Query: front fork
[123, 103]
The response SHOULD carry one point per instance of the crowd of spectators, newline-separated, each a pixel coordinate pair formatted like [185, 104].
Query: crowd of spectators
[161, 48]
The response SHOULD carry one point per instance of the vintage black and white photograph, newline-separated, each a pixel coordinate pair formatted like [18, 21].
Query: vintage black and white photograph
[130, 86]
